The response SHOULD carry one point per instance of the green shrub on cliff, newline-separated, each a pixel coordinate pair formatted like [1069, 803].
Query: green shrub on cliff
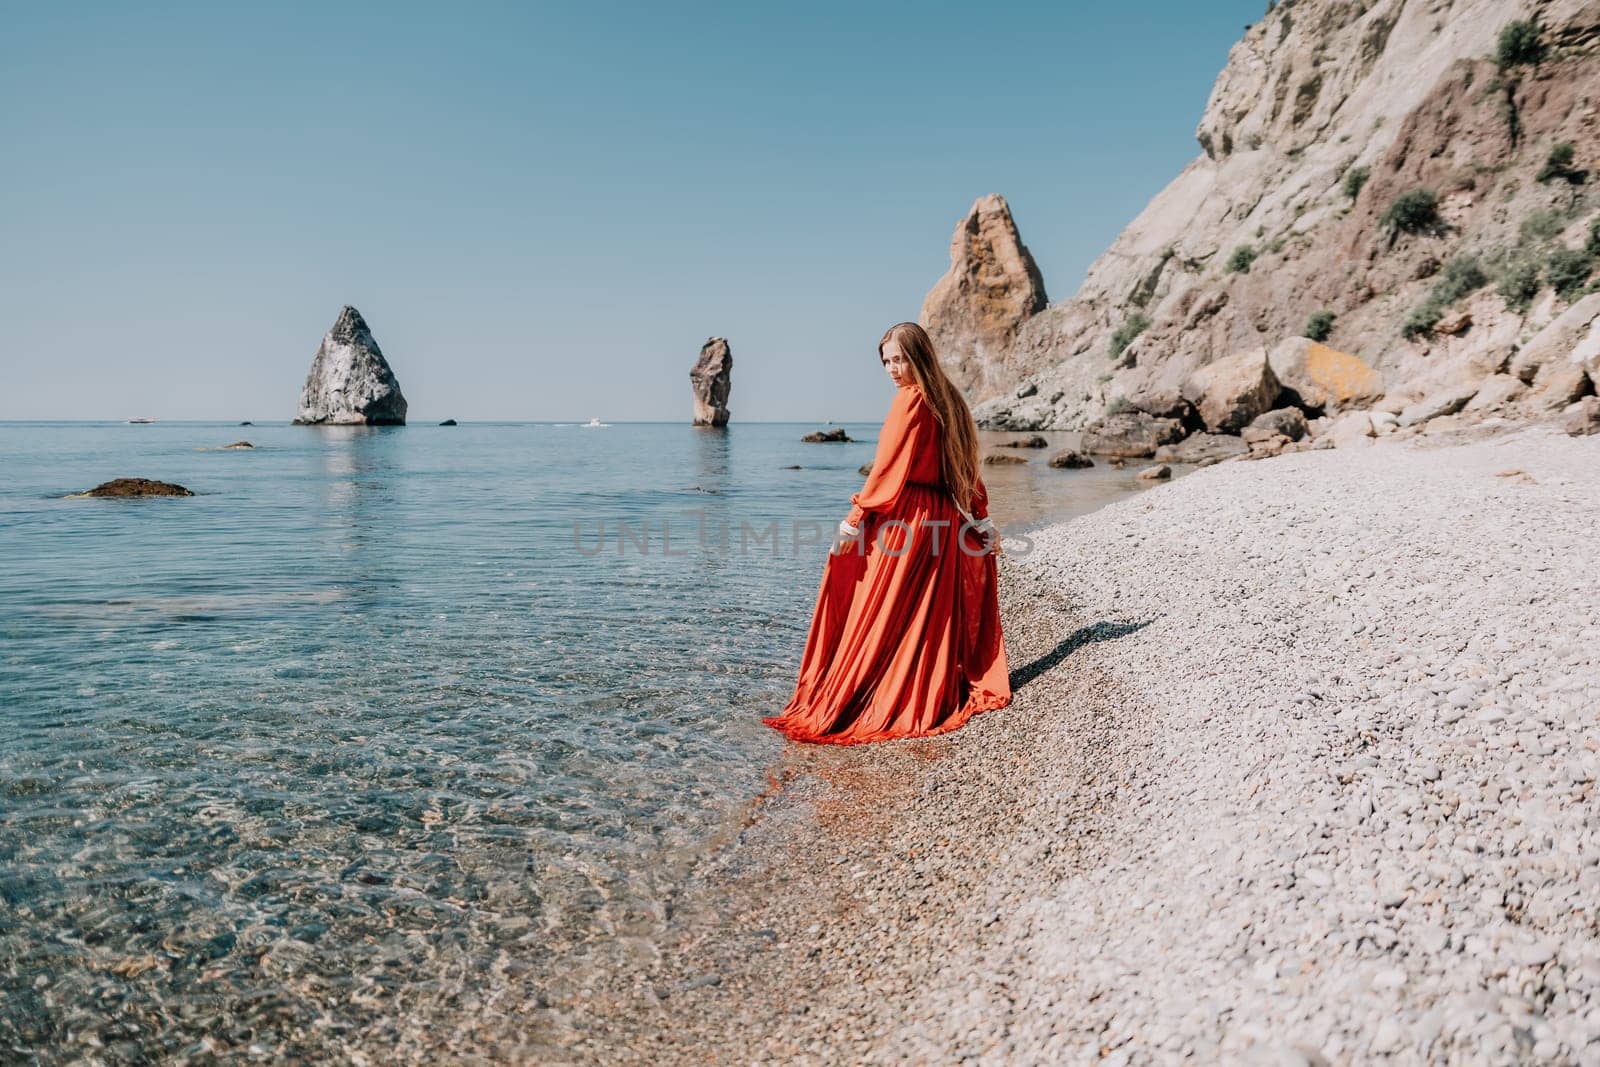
[1520, 44]
[1131, 327]
[1593, 245]
[1568, 269]
[1239, 262]
[1354, 179]
[1319, 326]
[1412, 211]
[1462, 275]
[1517, 282]
[1541, 226]
[1558, 164]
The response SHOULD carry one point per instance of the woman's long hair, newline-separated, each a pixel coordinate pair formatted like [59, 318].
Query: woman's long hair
[958, 451]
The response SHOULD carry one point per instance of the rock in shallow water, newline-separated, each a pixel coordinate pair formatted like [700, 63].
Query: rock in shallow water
[350, 382]
[126, 487]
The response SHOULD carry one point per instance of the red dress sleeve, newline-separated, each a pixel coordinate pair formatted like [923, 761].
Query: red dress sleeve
[904, 433]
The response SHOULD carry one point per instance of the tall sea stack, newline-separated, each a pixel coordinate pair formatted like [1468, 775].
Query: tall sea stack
[712, 379]
[350, 382]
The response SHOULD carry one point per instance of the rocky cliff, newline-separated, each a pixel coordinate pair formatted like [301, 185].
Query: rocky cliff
[1405, 184]
[350, 382]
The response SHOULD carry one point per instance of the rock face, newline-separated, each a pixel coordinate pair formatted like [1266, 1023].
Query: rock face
[350, 382]
[993, 286]
[1325, 116]
[712, 381]
[136, 487]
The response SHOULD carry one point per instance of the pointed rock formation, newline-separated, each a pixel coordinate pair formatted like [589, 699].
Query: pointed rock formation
[712, 380]
[992, 287]
[350, 382]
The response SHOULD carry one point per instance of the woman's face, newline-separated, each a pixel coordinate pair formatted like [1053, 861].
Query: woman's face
[895, 363]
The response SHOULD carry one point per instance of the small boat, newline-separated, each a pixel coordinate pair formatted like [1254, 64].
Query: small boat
[141, 422]
[593, 423]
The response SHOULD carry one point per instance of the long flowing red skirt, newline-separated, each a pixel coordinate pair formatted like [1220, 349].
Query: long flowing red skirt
[905, 639]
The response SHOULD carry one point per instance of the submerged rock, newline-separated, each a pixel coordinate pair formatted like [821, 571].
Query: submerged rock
[712, 381]
[1002, 459]
[239, 445]
[823, 436]
[1067, 459]
[350, 382]
[124, 487]
[1155, 474]
[1026, 442]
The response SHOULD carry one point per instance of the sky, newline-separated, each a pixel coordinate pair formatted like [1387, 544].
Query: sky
[543, 210]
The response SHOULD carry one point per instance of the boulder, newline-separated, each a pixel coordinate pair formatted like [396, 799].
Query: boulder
[1453, 324]
[1495, 392]
[125, 487]
[1130, 435]
[239, 445]
[1348, 430]
[1558, 383]
[1156, 473]
[1290, 422]
[1202, 448]
[711, 379]
[1231, 391]
[836, 434]
[1384, 422]
[1067, 459]
[350, 382]
[1026, 442]
[1582, 418]
[1323, 378]
[448, 422]
[993, 286]
[1569, 338]
[1265, 445]
[1446, 401]
[1001, 459]
[864, 470]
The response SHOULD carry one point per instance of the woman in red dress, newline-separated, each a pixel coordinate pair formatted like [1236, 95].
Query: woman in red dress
[905, 639]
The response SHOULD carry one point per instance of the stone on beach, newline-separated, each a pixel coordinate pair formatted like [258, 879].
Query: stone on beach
[1323, 378]
[1230, 392]
[350, 383]
[1130, 435]
[1202, 448]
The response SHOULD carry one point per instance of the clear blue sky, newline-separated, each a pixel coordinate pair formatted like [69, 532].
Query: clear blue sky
[543, 210]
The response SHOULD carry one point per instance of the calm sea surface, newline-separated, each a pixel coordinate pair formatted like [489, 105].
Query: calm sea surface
[384, 716]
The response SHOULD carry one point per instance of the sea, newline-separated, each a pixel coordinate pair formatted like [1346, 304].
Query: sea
[382, 715]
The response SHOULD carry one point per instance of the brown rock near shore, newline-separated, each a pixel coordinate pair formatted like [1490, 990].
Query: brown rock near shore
[1002, 459]
[993, 286]
[1131, 435]
[712, 380]
[132, 487]
[1230, 392]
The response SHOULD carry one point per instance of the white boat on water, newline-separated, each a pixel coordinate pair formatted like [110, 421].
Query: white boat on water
[141, 421]
[593, 423]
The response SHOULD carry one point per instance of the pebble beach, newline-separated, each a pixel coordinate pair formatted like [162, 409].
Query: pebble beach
[1301, 769]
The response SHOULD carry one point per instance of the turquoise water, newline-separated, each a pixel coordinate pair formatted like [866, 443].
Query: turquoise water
[368, 726]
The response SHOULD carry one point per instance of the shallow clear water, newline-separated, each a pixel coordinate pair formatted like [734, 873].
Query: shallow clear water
[369, 723]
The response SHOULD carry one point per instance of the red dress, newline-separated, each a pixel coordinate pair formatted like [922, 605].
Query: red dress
[905, 639]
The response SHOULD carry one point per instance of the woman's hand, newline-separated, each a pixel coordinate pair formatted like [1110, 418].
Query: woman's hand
[847, 533]
[985, 529]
